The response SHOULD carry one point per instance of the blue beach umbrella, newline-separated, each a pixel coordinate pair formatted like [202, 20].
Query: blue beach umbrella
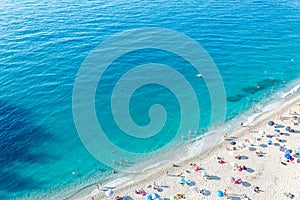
[288, 156]
[271, 123]
[289, 151]
[276, 130]
[298, 150]
[188, 182]
[181, 180]
[288, 128]
[269, 141]
[220, 193]
[149, 197]
[155, 196]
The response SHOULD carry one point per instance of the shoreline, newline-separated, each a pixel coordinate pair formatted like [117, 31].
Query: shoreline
[155, 173]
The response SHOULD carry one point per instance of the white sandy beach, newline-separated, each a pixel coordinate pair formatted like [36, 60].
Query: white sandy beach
[267, 172]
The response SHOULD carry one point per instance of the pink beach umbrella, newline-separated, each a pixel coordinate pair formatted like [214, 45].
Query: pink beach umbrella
[197, 169]
[238, 181]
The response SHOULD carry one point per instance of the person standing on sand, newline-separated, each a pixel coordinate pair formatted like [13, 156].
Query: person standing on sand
[155, 185]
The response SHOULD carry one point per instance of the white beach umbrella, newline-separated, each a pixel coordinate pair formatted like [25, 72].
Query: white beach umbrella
[204, 173]
[194, 189]
[241, 145]
[109, 192]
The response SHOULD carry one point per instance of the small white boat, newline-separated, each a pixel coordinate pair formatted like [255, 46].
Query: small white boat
[199, 75]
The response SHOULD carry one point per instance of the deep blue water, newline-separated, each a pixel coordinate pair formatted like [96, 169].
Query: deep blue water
[43, 44]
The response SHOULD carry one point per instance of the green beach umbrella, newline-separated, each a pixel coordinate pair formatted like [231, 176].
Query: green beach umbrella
[173, 197]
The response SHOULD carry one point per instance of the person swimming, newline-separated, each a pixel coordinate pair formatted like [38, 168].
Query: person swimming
[199, 75]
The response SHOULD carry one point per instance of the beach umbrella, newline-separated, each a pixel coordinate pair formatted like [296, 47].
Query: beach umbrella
[288, 156]
[297, 155]
[298, 149]
[271, 123]
[288, 128]
[283, 149]
[181, 180]
[149, 197]
[276, 130]
[204, 173]
[155, 196]
[109, 192]
[188, 182]
[194, 189]
[220, 193]
[241, 145]
[269, 141]
[289, 151]
[173, 197]
[233, 143]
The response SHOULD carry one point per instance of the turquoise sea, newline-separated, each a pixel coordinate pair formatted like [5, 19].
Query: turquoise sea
[254, 44]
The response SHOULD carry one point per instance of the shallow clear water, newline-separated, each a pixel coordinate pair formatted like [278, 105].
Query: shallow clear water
[43, 45]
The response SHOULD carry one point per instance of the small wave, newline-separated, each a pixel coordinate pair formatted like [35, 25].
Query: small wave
[295, 89]
[153, 166]
[116, 182]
